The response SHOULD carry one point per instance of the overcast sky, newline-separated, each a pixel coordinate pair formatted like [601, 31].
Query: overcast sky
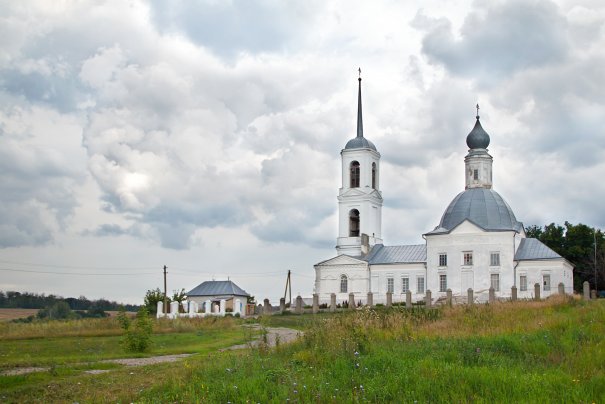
[206, 135]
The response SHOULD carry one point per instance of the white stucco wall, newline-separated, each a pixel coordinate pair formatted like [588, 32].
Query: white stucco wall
[559, 270]
[379, 275]
[469, 238]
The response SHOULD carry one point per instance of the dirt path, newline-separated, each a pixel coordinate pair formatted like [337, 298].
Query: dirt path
[275, 336]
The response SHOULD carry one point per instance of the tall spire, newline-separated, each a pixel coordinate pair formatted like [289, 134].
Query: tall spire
[359, 118]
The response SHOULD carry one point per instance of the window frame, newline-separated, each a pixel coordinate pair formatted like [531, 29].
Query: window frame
[390, 284]
[344, 281]
[442, 283]
[418, 288]
[405, 284]
[523, 283]
[467, 258]
[475, 175]
[495, 254]
[545, 287]
[442, 260]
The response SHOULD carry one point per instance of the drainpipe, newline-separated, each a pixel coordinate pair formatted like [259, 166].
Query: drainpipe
[514, 262]
[426, 271]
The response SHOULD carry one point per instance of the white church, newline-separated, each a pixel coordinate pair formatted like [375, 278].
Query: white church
[477, 244]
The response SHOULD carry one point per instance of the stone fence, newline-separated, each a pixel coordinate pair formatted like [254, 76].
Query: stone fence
[209, 308]
[428, 301]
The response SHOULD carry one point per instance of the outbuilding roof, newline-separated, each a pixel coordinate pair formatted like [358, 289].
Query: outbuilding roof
[211, 288]
[534, 249]
[397, 254]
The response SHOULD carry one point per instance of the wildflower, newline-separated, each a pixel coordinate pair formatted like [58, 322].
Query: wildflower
[357, 365]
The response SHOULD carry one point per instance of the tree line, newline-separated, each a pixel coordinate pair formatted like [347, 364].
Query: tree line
[28, 300]
[576, 243]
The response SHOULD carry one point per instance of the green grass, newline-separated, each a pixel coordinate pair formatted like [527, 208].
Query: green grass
[551, 351]
[57, 351]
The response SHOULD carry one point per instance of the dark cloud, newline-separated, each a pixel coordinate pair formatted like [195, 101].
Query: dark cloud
[497, 39]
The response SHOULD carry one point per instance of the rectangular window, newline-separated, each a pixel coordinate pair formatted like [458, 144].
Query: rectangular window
[475, 174]
[523, 283]
[546, 282]
[495, 281]
[442, 283]
[442, 260]
[467, 258]
[420, 284]
[390, 285]
[494, 259]
[405, 285]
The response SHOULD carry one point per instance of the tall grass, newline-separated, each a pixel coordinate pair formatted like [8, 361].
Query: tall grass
[95, 327]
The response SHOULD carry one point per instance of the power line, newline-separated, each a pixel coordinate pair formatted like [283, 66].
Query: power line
[31, 264]
[77, 273]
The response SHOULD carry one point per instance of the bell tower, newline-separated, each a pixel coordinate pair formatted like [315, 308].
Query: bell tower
[478, 162]
[359, 198]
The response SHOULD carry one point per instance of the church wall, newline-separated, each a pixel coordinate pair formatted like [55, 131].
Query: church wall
[379, 275]
[559, 270]
[328, 277]
[469, 238]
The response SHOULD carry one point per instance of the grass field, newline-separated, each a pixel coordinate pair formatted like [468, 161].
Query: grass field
[552, 351]
[12, 314]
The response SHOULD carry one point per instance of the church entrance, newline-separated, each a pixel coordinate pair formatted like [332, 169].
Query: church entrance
[467, 280]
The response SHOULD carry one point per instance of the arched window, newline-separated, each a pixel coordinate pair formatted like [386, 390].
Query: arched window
[373, 175]
[343, 284]
[354, 223]
[354, 173]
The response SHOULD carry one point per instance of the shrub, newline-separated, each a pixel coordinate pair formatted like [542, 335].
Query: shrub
[138, 334]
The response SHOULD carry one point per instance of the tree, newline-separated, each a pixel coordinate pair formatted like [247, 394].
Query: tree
[152, 297]
[576, 243]
[179, 296]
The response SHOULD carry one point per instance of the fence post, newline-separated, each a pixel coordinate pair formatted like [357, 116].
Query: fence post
[282, 304]
[315, 303]
[160, 310]
[561, 288]
[333, 302]
[389, 299]
[586, 287]
[492, 295]
[513, 293]
[448, 297]
[370, 301]
[537, 291]
[408, 299]
[299, 305]
[469, 296]
[267, 309]
[351, 300]
[428, 301]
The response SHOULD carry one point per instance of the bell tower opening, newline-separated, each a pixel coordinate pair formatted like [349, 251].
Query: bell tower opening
[373, 175]
[355, 174]
[354, 223]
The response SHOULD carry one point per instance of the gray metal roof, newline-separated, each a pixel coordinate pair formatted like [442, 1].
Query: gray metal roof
[210, 288]
[397, 254]
[360, 143]
[534, 249]
[478, 137]
[483, 207]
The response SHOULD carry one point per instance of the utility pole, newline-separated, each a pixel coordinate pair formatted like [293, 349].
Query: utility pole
[595, 260]
[288, 287]
[165, 293]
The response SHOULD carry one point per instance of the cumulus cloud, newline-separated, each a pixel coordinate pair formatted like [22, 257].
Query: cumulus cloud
[497, 39]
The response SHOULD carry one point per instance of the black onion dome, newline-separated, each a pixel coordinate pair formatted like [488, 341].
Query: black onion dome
[478, 138]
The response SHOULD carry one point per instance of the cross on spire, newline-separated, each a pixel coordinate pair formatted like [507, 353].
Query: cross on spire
[477, 111]
[359, 70]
